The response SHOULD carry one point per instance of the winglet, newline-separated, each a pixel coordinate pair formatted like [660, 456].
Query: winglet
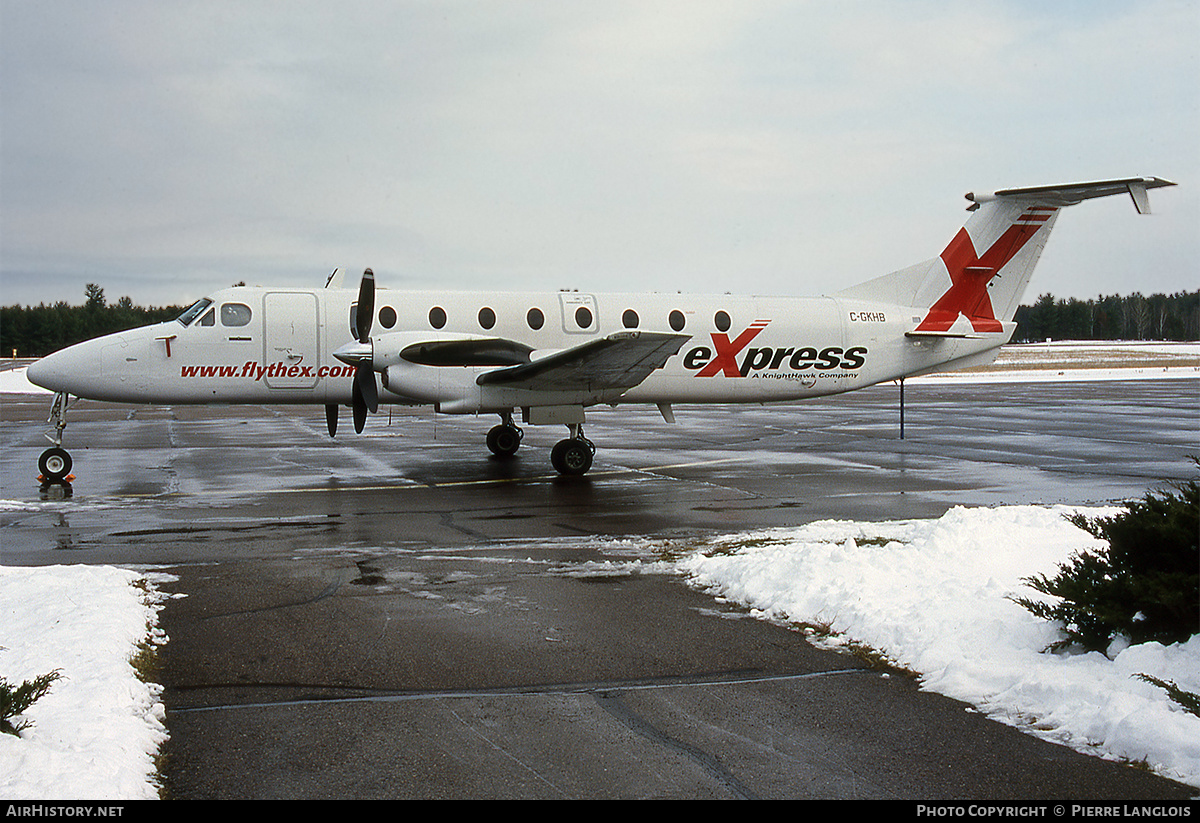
[1141, 200]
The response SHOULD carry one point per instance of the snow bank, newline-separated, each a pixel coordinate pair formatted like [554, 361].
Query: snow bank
[935, 596]
[1067, 361]
[94, 735]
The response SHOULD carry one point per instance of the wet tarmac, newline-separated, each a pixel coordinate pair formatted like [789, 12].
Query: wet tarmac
[398, 614]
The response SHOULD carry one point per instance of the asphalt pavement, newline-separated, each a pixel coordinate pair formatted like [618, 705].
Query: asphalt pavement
[399, 615]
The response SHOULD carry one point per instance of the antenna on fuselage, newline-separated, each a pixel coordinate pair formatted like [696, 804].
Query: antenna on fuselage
[334, 281]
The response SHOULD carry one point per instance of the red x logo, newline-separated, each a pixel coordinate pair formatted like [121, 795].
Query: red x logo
[970, 274]
[727, 351]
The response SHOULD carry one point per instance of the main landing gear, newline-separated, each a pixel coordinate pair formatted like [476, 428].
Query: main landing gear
[55, 463]
[571, 457]
[505, 439]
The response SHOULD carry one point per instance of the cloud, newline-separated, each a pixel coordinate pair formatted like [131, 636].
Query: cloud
[763, 146]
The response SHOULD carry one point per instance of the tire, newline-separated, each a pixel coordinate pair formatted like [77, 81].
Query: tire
[55, 464]
[572, 457]
[503, 441]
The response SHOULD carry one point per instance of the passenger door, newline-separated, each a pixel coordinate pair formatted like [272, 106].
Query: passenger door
[291, 348]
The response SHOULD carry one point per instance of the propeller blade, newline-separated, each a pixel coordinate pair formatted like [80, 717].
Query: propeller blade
[364, 394]
[364, 381]
[366, 306]
[360, 408]
[331, 416]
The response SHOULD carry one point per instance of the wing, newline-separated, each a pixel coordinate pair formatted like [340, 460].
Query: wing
[610, 365]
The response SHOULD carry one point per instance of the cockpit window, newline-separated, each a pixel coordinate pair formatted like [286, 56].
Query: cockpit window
[194, 311]
[234, 314]
[209, 318]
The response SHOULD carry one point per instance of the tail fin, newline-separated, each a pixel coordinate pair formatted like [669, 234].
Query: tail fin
[976, 284]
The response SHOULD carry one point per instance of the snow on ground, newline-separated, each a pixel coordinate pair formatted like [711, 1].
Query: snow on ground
[1069, 361]
[94, 735]
[933, 596]
[13, 381]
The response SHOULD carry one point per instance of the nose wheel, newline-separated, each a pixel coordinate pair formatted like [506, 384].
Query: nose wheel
[55, 463]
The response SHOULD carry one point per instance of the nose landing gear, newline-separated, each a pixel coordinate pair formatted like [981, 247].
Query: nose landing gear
[55, 462]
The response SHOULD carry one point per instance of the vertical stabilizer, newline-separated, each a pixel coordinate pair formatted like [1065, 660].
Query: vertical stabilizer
[989, 263]
[975, 285]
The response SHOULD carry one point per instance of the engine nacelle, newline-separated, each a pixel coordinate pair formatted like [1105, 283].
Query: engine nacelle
[453, 385]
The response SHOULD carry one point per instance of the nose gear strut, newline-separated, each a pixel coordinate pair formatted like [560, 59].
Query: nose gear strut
[55, 463]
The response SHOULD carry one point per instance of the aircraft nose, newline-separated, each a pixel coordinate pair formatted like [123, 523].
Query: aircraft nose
[45, 373]
[71, 370]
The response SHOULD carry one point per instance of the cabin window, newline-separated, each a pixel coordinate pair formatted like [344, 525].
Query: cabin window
[583, 317]
[676, 320]
[629, 319]
[387, 317]
[535, 319]
[235, 314]
[194, 311]
[721, 321]
[487, 318]
[437, 317]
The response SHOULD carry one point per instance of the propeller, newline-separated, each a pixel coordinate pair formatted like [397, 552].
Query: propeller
[364, 394]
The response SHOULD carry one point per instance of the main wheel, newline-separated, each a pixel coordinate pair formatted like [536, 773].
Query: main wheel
[572, 457]
[504, 440]
[54, 464]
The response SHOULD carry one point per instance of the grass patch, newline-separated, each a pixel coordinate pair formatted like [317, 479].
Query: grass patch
[837, 641]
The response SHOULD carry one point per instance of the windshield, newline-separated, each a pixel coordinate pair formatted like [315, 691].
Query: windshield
[194, 311]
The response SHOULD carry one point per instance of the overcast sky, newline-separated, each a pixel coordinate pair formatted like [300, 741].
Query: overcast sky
[164, 149]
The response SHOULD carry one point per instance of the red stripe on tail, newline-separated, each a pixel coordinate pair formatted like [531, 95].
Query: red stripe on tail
[970, 275]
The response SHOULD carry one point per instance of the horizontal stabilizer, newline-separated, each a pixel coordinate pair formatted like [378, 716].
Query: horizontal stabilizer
[1072, 193]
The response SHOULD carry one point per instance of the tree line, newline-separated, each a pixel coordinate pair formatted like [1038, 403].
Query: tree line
[1133, 317]
[34, 331]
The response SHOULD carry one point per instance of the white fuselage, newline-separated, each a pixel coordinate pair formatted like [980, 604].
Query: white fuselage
[263, 345]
